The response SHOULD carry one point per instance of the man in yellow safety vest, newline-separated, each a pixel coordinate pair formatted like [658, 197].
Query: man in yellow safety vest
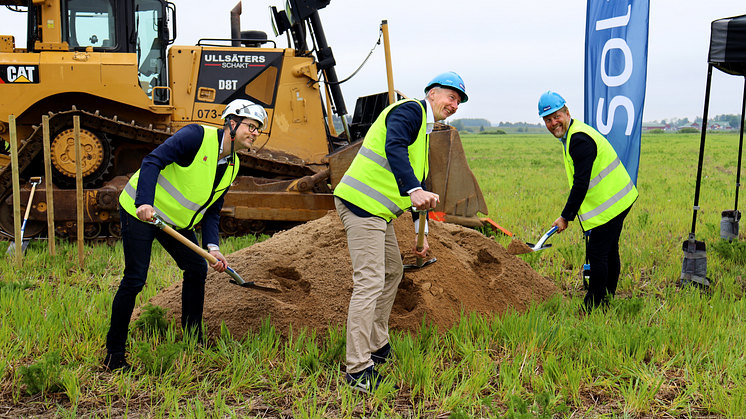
[601, 194]
[184, 181]
[386, 178]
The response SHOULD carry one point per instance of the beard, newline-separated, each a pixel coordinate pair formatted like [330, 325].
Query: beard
[559, 131]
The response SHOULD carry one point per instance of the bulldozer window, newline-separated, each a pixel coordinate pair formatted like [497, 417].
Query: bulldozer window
[151, 47]
[262, 88]
[91, 23]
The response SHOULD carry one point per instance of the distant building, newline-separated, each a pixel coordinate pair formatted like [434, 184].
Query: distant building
[694, 125]
[647, 126]
[719, 126]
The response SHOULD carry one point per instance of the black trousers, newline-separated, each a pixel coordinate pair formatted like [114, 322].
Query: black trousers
[603, 256]
[137, 241]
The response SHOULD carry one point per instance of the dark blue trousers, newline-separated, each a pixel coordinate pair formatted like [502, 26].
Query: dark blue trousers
[137, 241]
[603, 255]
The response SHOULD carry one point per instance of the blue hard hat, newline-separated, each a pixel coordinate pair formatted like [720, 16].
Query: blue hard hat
[549, 103]
[450, 80]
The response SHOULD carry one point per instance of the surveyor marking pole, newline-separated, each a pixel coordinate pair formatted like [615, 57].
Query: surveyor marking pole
[79, 185]
[16, 189]
[48, 175]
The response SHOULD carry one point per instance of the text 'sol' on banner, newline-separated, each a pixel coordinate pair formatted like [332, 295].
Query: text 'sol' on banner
[616, 57]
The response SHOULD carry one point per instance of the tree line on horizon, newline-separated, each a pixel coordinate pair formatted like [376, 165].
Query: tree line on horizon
[463, 124]
[732, 119]
[474, 124]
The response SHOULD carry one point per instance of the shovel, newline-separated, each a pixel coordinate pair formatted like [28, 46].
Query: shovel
[158, 222]
[421, 263]
[24, 242]
[540, 245]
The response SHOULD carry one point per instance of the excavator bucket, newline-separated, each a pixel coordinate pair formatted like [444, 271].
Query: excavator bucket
[451, 177]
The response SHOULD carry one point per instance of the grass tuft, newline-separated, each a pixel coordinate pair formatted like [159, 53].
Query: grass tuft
[43, 376]
[159, 360]
[152, 320]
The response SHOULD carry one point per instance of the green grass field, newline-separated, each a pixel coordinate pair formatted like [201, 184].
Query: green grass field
[658, 351]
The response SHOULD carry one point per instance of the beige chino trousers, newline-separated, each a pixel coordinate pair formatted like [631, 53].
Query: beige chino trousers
[376, 273]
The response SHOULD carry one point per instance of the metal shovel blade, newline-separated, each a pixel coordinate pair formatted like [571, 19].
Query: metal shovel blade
[421, 263]
[12, 246]
[536, 248]
[254, 286]
[540, 245]
[251, 284]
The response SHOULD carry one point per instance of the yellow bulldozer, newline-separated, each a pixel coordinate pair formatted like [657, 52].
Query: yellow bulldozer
[112, 64]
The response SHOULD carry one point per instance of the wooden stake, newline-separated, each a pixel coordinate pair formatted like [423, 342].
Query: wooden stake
[79, 186]
[16, 190]
[389, 67]
[49, 192]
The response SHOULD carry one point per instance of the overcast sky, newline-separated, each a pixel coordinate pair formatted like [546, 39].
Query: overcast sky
[508, 52]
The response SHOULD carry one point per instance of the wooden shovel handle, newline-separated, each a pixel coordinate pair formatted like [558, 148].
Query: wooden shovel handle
[30, 200]
[200, 251]
[421, 237]
[421, 230]
[34, 181]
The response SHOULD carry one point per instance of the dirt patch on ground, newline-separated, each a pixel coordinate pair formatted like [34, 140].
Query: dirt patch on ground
[310, 264]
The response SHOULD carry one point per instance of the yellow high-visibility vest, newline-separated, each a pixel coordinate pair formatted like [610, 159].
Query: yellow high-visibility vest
[611, 190]
[183, 194]
[369, 182]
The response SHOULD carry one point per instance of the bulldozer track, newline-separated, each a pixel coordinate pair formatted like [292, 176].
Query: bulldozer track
[31, 146]
[280, 167]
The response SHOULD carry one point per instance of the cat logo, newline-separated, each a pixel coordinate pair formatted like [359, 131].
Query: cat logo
[19, 74]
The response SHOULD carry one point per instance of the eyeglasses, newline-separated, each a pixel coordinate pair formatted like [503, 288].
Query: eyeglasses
[252, 128]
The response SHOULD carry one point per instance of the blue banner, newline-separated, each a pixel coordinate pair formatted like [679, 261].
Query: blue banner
[616, 61]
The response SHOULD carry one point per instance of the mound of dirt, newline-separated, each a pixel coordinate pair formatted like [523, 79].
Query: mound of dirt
[518, 247]
[310, 264]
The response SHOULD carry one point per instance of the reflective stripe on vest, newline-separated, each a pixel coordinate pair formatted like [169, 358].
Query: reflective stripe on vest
[197, 179]
[369, 182]
[606, 205]
[596, 180]
[380, 160]
[372, 193]
[610, 190]
[168, 187]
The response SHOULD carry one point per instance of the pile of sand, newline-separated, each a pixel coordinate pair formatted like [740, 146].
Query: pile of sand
[518, 247]
[310, 264]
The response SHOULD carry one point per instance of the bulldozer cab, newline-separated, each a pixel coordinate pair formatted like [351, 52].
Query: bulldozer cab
[139, 26]
[90, 23]
[151, 41]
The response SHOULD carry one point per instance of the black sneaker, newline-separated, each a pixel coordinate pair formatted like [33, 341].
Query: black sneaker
[367, 380]
[382, 355]
[117, 361]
